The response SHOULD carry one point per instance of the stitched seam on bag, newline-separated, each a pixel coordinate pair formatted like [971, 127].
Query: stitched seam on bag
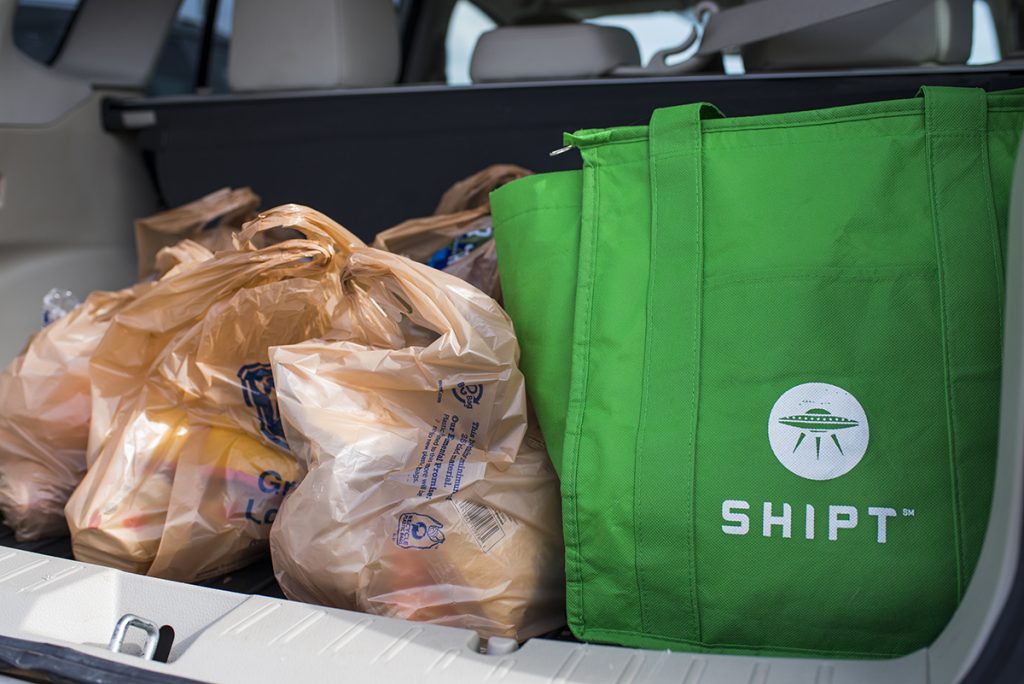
[785, 143]
[579, 394]
[535, 210]
[967, 134]
[727, 279]
[911, 107]
[695, 392]
[761, 648]
[728, 126]
[997, 255]
[822, 141]
[951, 442]
[639, 451]
[595, 220]
[811, 124]
[844, 119]
[632, 141]
[997, 246]
[835, 121]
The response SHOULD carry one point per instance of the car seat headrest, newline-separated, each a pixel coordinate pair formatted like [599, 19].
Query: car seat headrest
[553, 51]
[313, 44]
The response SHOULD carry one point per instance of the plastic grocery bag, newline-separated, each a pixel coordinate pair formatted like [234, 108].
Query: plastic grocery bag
[474, 191]
[427, 497]
[209, 221]
[188, 460]
[458, 238]
[45, 407]
[44, 417]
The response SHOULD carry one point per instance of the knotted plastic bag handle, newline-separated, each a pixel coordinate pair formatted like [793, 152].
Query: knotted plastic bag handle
[310, 222]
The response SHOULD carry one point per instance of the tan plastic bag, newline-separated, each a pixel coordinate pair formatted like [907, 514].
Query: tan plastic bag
[463, 209]
[44, 417]
[188, 461]
[475, 191]
[420, 238]
[45, 407]
[427, 497]
[209, 221]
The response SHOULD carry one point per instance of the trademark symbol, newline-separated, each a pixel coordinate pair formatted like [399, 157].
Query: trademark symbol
[908, 512]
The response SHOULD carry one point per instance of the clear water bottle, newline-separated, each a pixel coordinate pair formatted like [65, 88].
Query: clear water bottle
[58, 303]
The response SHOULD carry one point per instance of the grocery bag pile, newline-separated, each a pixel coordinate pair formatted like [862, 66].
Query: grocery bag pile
[274, 384]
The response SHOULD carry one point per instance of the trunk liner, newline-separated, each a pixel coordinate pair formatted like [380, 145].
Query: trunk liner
[257, 578]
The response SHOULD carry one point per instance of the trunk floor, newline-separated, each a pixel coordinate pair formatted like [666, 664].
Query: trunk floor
[257, 578]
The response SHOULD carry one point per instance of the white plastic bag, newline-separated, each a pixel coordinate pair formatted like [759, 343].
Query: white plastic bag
[427, 496]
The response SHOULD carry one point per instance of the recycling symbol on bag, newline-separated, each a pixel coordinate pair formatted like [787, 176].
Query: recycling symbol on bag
[468, 395]
[418, 531]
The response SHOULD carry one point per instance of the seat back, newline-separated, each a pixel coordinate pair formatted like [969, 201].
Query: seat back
[313, 44]
[115, 43]
[903, 33]
[552, 51]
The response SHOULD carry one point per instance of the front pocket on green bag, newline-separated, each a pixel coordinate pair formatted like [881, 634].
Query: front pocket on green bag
[830, 506]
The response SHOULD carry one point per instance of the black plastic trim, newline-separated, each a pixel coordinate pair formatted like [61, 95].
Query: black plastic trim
[206, 44]
[49, 663]
[373, 157]
[966, 75]
[1001, 661]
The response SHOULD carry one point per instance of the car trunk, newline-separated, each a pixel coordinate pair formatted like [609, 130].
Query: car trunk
[240, 627]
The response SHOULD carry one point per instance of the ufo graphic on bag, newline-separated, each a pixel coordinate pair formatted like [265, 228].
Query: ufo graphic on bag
[818, 420]
[826, 412]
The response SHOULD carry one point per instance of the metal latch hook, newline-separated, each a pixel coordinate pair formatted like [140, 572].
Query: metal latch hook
[682, 58]
[699, 18]
[127, 620]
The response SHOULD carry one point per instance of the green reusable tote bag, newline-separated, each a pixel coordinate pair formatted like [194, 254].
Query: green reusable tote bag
[765, 354]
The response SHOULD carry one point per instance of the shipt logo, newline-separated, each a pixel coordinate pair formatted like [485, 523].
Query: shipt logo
[818, 431]
[258, 392]
[418, 531]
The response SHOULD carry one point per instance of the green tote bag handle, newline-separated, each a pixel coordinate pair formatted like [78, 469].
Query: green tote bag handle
[671, 359]
[956, 133]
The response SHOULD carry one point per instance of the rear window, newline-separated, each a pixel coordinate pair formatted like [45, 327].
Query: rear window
[177, 68]
[40, 26]
[984, 41]
[468, 22]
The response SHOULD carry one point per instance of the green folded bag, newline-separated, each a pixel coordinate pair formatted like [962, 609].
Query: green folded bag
[765, 353]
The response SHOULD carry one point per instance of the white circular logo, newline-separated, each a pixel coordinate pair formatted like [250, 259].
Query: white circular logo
[818, 431]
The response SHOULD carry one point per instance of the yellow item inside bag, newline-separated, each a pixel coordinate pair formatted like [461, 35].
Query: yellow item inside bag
[185, 422]
[226, 492]
[427, 496]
